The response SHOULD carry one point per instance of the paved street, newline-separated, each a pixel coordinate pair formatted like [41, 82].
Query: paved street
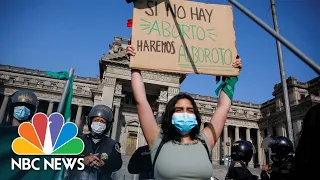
[219, 171]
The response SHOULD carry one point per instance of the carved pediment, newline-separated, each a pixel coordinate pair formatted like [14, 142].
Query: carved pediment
[116, 58]
[117, 52]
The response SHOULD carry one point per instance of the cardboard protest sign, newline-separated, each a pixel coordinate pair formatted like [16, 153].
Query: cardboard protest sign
[184, 37]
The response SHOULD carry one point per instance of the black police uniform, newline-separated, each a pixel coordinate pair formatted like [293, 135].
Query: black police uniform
[108, 149]
[140, 162]
[282, 157]
[109, 152]
[279, 170]
[239, 171]
[241, 153]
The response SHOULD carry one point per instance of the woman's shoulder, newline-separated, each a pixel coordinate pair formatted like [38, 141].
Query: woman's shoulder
[157, 141]
[203, 138]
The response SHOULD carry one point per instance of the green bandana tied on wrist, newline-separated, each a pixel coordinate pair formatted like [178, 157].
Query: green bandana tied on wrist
[227, 86]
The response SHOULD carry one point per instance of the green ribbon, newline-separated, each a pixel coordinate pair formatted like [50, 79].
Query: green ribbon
[227, 86]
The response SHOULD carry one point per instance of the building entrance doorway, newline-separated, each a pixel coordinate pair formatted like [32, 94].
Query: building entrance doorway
[131, 143]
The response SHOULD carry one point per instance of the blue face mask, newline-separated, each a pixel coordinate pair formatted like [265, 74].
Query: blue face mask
[21, 113]
[184, 122]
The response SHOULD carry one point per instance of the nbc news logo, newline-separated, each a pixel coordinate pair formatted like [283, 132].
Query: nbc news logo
[47, 136]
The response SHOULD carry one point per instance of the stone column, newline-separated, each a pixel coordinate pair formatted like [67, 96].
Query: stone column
[236, 133]
[161, 108]
[248, 138]
[114, 134]
[123, 137]
[225, 139]
[78, 116]
[3, 107]
[162, 102]
[50, 108]
[108, 91]
[259, 149]
[163, 96]
[116, 130]
[216, 157]
[281, 128]
[248, 134]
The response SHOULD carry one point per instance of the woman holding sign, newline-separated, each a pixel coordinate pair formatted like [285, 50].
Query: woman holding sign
[184, 148]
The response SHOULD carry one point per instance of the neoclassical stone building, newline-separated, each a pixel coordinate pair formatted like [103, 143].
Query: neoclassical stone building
[245, 120]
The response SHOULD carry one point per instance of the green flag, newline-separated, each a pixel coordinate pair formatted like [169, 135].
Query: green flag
[63, 75]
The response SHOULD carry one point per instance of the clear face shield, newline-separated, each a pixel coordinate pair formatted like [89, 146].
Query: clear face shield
[265, 145]
[267, 142]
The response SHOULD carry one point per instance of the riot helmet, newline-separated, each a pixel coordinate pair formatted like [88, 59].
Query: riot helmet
[279, 145]
[242, 151]
[104, 112]
[282, 146]
[23, 105]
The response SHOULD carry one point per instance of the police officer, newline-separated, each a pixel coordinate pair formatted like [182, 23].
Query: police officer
[140, 162]
[241, 154]
[282, 154]
[101, 154]
[23, 106]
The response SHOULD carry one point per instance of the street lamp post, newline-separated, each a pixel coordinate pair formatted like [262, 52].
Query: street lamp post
[282, 73]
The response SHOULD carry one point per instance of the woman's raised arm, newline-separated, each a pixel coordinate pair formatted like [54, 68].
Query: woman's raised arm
[219, 118]
[148, 123]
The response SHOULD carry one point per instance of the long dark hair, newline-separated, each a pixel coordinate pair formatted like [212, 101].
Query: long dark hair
[168, 130]
[305, 160]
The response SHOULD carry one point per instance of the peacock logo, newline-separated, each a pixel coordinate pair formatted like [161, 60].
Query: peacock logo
[47, 136]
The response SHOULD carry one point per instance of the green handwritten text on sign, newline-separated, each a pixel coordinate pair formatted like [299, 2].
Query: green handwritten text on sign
[166, 29]
[183, 36]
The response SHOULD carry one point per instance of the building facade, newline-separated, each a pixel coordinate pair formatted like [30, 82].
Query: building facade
[245, 120]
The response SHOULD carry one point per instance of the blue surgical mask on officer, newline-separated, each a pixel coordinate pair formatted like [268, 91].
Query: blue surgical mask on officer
[184, 122]
[21, 113]
[98, 127]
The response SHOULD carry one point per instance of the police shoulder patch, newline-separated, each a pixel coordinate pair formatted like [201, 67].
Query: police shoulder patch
[104, 156]
[237, 164]
[117, 147]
